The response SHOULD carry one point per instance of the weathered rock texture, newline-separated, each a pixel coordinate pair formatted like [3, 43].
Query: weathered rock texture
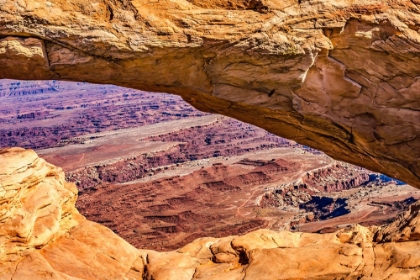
[43, 237]
[340, 76]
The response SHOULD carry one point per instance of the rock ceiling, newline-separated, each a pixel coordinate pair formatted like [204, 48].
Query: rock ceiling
[339, 76]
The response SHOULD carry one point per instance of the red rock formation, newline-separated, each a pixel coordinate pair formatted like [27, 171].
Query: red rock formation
[337, 178]
[168, 213]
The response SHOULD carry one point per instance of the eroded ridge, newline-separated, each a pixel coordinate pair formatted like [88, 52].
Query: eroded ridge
[44, 237]
[341, 77]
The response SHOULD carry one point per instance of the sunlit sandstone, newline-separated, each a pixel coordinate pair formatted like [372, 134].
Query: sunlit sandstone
[339, 76]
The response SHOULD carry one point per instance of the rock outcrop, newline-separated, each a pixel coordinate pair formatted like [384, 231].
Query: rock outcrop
[44, 237]
[339, 76]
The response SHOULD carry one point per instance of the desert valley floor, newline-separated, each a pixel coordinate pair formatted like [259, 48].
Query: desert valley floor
[160, 173]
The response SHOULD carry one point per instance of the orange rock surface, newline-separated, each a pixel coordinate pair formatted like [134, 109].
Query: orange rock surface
[44, 237]
[340, 76]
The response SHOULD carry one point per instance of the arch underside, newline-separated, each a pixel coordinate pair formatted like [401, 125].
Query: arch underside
[342, 78]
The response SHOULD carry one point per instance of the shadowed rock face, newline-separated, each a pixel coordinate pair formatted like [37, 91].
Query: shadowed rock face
[339, 76]
[44, 237]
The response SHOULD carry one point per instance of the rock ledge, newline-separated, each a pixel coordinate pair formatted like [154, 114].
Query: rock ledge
[44, 237]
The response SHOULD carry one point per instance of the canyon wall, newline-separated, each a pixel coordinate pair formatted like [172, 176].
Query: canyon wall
[44, 237]
[339, 76]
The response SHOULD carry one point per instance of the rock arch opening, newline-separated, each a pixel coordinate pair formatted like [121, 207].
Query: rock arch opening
[161, 174]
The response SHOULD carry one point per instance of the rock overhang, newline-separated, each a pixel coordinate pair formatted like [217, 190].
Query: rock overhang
[341, 77]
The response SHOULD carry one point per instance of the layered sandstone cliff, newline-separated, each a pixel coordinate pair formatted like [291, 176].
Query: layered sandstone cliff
[340, 76]
[44, 237]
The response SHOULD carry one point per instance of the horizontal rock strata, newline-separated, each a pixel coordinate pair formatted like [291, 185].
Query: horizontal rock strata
[339, 76]
[43, 237]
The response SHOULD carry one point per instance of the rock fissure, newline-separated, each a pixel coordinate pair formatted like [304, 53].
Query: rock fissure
[16, 268]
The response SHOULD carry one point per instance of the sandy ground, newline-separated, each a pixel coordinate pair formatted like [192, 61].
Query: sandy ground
[111, 146]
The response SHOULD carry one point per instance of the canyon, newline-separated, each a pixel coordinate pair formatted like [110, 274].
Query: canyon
[161, 174]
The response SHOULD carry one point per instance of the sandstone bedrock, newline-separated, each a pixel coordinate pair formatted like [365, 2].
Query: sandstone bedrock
[44, 237]
[340, 76]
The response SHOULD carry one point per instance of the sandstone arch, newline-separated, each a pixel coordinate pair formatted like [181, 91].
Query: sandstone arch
[342, 77]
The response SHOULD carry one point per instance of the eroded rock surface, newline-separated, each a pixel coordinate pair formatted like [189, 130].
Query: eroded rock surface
[44, 237]
[340, 76]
